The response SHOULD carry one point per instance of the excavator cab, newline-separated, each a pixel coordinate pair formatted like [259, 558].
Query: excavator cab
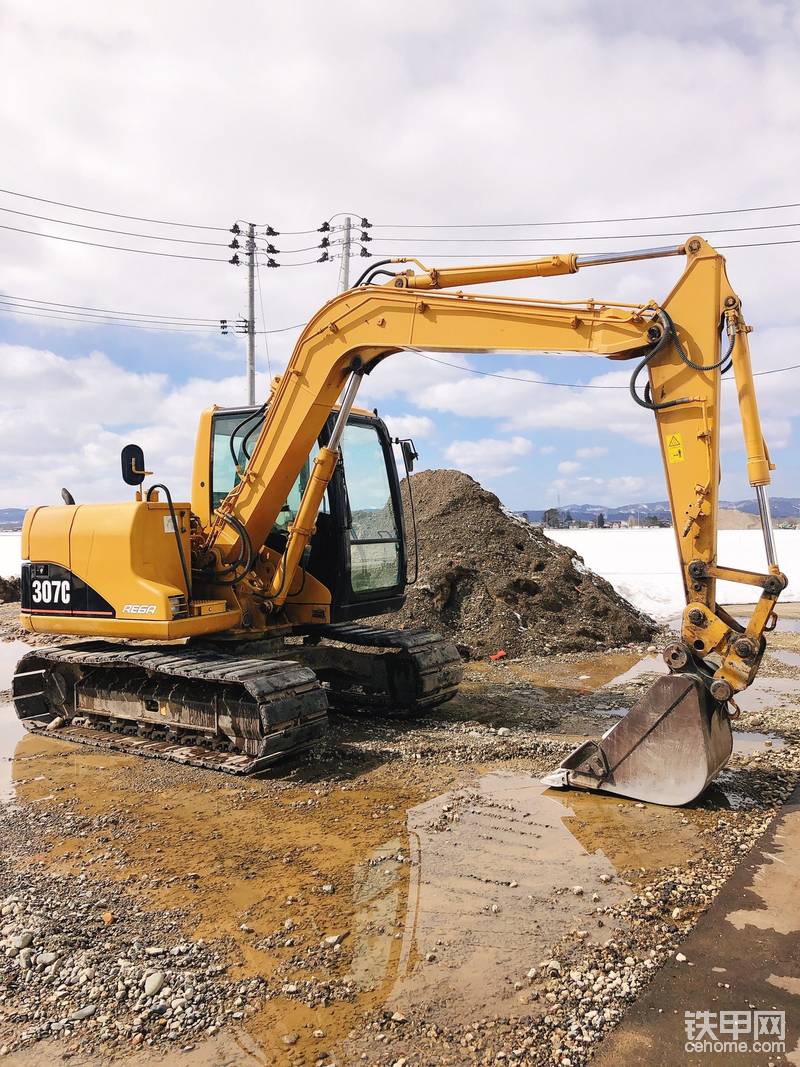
[358, 550]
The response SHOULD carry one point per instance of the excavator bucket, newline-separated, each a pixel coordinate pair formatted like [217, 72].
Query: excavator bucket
[666, 750]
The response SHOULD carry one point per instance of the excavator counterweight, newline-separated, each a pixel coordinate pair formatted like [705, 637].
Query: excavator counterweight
[220, 629]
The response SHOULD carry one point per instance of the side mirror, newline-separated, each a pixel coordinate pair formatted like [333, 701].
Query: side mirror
[410, 454]
[133, 470]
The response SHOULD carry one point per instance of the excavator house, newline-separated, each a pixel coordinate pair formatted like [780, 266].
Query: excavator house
[218, 632]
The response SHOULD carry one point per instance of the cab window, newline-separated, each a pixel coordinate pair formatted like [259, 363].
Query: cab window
[223, 470]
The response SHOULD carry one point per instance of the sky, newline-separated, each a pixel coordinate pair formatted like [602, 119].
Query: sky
[416, 116]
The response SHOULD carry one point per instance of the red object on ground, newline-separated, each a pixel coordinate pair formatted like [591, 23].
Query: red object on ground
[495, 656]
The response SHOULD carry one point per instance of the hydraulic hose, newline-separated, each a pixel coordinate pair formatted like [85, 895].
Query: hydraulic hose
[646, 401]
[247, 563]
[177, 531]
[370, 268]
[669, 334]
[259, 412]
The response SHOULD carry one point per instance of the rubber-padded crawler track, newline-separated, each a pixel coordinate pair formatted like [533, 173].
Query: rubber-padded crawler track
[227, 712]
[401, 672]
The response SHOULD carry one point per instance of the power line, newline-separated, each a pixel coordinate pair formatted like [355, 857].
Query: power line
[284, 329]
[264, 333]
[200, 331]
[117, 248]
[104, 317]
[574, 222]
[123, 233]
[5, 297]
[18, 305]
[566, 385]
[115, 214]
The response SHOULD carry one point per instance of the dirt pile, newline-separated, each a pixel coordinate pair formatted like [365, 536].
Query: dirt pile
[9, 590]
[492, 581]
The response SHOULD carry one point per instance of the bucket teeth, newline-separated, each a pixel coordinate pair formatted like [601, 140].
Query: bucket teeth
[666, 750]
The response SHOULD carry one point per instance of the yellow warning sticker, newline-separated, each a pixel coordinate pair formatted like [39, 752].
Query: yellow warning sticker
[675, 453]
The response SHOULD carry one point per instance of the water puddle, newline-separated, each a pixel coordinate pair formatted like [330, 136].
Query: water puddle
[495, 866]
[747, 743]
[651, 664]
[786, 623]
[768, 692]
[11, 652]
[791, 659]
[11, 731]
[556, 697]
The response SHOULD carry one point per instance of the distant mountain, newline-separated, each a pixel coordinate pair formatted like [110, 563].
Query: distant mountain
[11, 518]
[783, 507]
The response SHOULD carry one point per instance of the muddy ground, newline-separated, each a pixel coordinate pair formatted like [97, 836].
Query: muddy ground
[409, 895]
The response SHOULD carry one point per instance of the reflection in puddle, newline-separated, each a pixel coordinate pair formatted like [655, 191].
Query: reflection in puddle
[11, 731]
[646, 665]
[748, 742]
[11, 652]
[498, 867]
[791, 659]
[767, 692]
[10, 728]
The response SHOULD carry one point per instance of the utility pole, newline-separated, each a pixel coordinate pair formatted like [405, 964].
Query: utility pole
[344, 274]
[251, 313]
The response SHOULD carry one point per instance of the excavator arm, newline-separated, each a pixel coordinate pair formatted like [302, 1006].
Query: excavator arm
[677, 346]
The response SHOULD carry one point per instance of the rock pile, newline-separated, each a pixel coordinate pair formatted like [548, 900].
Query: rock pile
[491, 581]
[9, 590]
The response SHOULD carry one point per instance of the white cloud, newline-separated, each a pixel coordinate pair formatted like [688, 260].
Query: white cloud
[625, 489]
[568, 466]
[184, 129]
[415, 426]
[547, 450]
[65, 420]
[488, 455]
[590, 453]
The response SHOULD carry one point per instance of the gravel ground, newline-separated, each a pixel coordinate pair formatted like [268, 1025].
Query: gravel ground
[141, 914]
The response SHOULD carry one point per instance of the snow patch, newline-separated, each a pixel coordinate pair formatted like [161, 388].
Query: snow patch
[642, 565]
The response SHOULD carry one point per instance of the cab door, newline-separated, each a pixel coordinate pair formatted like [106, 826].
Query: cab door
[373, 543]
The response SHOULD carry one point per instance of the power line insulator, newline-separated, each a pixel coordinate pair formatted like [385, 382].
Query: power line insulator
[234, 244]
[272, 250]
[365, 236]
[324, 228]
[323, 258]
[223, 325]
[236, 228]
[269, 232]
[235, 260]
[325, 242]
[366, 224]
[272, 263]
[364, 253]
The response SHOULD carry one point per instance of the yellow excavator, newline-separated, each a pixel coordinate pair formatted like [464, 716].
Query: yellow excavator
[218, 632]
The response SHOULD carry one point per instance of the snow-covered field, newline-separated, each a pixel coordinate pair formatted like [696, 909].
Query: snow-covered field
[9, 554]
[643, 564]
